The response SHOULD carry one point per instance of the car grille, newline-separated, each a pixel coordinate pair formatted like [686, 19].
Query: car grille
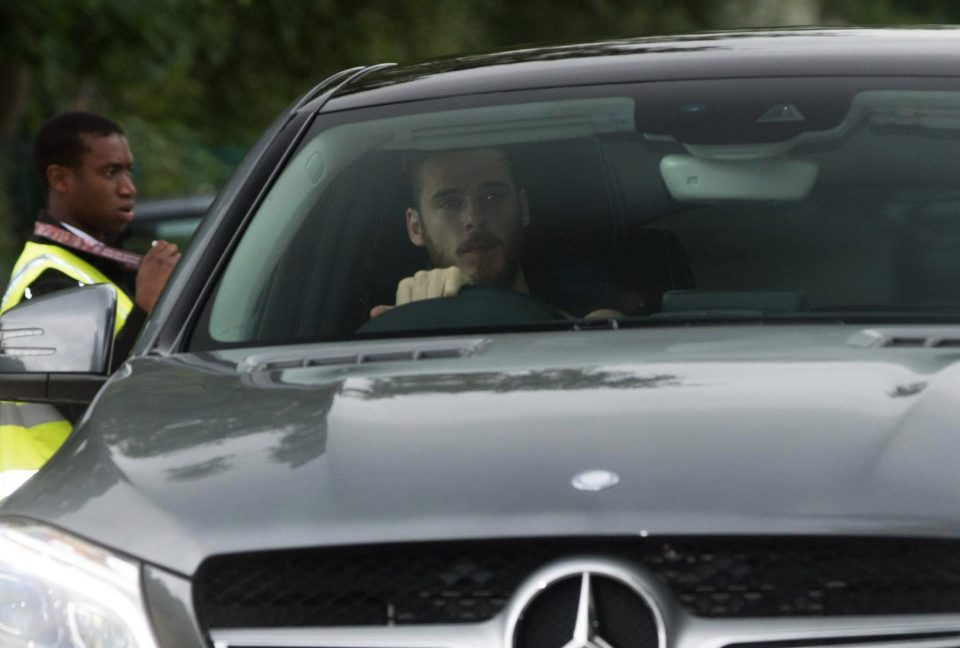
[470, 582]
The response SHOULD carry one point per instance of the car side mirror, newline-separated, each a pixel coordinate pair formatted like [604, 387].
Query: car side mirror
[56, 348]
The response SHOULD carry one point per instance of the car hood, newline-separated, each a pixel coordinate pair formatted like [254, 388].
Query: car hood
[711, 430]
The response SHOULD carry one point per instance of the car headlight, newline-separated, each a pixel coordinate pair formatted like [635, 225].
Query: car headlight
[57, 591]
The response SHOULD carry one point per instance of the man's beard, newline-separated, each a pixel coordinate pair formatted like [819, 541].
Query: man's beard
[502, 277]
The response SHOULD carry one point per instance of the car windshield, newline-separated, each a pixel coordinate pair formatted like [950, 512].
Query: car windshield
[657, 203]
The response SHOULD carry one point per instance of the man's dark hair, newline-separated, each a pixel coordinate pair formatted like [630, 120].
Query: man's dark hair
[60, 141]
[412, 161]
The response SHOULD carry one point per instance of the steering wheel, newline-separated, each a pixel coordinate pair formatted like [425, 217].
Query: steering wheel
[474, 306]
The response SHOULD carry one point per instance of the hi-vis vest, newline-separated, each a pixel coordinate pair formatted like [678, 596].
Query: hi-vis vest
[37, 258]
[31, 432]
[29, 435]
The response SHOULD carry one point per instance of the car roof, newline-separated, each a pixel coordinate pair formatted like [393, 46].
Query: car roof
[929, 51]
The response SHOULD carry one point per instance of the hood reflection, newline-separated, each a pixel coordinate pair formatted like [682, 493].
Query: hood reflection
[294, 419]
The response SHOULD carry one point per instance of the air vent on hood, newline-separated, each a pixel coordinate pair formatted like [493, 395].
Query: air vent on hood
[930, 337]
[361, 354]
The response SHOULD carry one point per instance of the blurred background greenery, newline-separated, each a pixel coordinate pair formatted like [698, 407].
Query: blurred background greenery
[193, 82]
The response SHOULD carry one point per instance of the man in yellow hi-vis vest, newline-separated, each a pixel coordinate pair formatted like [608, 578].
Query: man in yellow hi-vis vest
[84, 162]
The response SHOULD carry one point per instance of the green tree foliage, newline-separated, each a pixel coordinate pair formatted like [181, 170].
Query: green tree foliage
[891, 12]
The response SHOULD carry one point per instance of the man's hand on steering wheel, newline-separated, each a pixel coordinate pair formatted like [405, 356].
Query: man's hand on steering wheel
[427, 284]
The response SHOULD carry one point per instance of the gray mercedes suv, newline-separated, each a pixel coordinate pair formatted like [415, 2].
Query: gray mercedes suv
[647, 343]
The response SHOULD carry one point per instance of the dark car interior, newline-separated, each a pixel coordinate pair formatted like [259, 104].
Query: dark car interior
[584, 249]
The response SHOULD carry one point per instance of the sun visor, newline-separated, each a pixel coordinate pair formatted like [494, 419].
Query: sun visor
[511, 124]
[692, 179]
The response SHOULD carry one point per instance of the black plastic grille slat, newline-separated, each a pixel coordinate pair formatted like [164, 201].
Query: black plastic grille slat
[469, 582]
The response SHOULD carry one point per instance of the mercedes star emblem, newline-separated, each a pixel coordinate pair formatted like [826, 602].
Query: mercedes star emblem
[586, 634]
[587, 602]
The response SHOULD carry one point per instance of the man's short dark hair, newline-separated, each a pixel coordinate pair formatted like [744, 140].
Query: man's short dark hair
[413, 161]
[60, 141]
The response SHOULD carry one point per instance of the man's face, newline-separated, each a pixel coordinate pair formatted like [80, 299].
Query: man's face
[470, 215]
[97, 196]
